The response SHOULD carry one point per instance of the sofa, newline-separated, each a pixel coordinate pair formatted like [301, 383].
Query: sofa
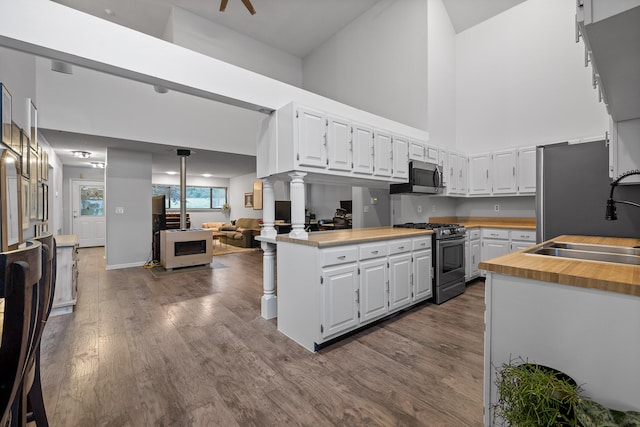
[239, 234]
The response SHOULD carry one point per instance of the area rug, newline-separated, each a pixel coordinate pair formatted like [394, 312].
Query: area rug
[159, 271]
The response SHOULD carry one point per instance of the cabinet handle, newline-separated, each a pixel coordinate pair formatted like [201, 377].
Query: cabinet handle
[514, 171]
[400, 247]
[342, 257]
[374, 252]
[586, 56]
[594, 78]
[473, 259]
[451, 171]
[358, 296]
[487, 173]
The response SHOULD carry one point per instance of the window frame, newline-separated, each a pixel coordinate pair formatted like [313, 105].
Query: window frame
[168, 190]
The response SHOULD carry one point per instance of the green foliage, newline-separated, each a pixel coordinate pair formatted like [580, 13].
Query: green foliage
[531, 395]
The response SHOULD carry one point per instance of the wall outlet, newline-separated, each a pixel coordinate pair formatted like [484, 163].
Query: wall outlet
[366, 208]
[119, 210]
[419, 208]
[497, 208]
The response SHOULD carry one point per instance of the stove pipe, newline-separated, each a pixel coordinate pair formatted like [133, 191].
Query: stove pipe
[183, 154]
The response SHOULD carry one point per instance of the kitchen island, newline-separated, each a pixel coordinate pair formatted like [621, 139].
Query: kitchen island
[581, 317]
[338, 281]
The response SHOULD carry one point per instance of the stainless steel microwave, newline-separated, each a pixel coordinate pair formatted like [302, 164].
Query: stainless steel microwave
[424, 178]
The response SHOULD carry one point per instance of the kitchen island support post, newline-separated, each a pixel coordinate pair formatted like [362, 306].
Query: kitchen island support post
[268, 303]
[297, 206]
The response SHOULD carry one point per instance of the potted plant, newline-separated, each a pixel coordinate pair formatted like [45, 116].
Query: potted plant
[534, 395]
[225, 208]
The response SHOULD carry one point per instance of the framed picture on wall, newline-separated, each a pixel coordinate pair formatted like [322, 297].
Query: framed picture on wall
[45, 202]
[248, 200]
[33, 114]
[33, 198]
[37, 229]
[15, 138]
[40, 211]
[39, 163]
[25, 152]
[45, 227]
[25, 202]
[5, 113]
[45, 166]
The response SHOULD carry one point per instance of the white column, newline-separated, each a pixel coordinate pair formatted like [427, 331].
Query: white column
[297, 205]
[268, 209]
[269, 302]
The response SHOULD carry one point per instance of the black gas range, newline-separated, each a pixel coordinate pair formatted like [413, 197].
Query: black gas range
[448, 258]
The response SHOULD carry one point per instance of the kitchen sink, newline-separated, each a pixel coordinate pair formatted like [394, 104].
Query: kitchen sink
[604, 253]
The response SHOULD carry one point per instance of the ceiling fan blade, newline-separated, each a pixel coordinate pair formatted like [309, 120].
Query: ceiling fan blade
[249, 6]
[223, 5]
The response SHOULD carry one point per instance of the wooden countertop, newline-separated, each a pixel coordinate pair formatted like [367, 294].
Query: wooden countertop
[488, 222]
[606, 276]
[325, 239]
[66, 240]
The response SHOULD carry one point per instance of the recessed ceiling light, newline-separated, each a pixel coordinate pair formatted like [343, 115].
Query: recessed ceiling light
[172, 173]
[109, 12]
[207, 175]
[99, 165]
[82, 154]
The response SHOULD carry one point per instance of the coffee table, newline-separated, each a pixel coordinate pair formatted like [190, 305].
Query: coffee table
[218, 235]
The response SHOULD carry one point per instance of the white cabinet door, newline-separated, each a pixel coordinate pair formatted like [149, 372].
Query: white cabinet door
[339, 144]
[494, 248]
[399, 281]
[462, 173]
[312, 150]
[373, 289]
[474, 256]
[452, 171]
[400, 157]
[443, 161]
[527, 170]
[382, 154]
[479, 179]
[431, 154]
[504, 172]
[362, 149]
[467, 261]
[422, 285]
[339, 297]
[416, 150]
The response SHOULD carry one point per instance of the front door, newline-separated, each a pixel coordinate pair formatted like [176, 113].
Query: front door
[88, 222]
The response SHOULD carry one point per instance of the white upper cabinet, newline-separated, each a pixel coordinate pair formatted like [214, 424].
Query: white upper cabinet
[463, 168]
[312, 149]
[339, 150]
[416, 151]
[382, 154]
[526, 170]
[362, 149]
[400, 157]
[431, 154]
[479, 179]
[504, 172]
[443, 161]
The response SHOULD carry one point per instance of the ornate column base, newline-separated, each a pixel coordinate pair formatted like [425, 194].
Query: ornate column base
[269, 301]
[269, 306]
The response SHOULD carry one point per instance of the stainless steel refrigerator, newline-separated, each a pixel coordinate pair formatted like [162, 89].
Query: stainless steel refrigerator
[573, 186]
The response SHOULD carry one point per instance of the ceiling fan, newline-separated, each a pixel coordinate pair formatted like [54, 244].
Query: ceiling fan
[247, 4]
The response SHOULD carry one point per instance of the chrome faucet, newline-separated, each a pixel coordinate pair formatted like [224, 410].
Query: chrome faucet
[611, 204]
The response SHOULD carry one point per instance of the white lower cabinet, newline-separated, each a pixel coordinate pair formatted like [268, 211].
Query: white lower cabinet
[422, 275]
[356, 285]
[374, 289]
[475, 255]
[66, 292]
[339, 298]
[521, 239]
[399, 281]
[495, 243]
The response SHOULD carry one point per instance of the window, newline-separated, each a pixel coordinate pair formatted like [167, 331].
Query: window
[197, 197]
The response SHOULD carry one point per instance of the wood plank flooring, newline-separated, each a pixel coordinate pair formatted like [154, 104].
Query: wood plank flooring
[191, 349]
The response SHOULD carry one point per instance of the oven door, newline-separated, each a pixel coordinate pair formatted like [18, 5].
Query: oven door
[449, 260]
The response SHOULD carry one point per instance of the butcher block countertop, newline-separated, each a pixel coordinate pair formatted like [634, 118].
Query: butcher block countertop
[325, 239]
[489, 222]
[606, 276]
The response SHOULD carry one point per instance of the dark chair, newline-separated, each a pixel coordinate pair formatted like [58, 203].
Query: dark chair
[20, 273]
[32, 387]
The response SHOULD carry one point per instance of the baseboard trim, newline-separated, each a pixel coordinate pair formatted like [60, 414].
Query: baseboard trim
[129, 265]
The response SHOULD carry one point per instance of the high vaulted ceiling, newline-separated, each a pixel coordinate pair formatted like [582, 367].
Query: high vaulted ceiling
[293, 26]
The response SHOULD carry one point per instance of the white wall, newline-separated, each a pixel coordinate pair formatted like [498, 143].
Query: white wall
[368, 212]
[237, 187]
[521, 207]
[441, 76]
[521, 80]
[128, 185]
[377, 63]
[419, 207]
[204, 36]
